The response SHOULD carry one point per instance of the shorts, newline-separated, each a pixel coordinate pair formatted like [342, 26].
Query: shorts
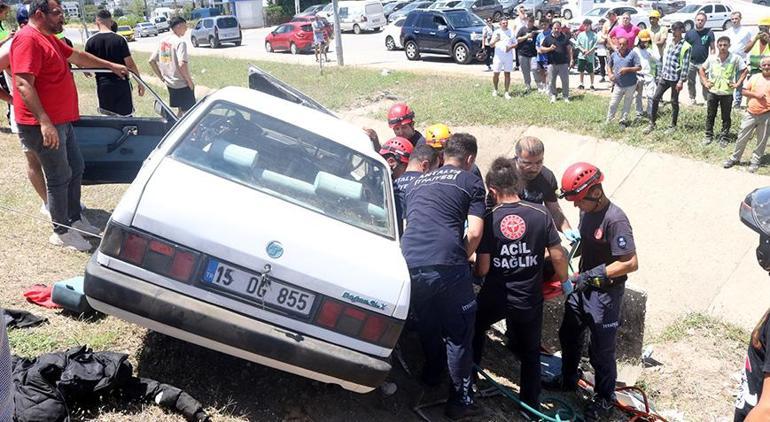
[182, 98]
[318, 40]
[502, 63]
[585, 65]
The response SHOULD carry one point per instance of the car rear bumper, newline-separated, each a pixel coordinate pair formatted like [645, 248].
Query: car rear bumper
[220, 329]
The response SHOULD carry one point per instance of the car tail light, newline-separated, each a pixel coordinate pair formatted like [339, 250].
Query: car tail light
[355, 322]
[145, 251]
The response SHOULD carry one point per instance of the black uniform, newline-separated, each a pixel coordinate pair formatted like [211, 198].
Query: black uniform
[113, 92]
[539, 190]
[757, 365]
[515, 236]
[400, 188]
[606, 236]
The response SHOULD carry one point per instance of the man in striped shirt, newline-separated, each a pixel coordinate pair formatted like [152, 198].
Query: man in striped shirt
[676, 60]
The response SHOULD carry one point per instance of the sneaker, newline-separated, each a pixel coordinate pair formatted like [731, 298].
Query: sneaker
[623, 125]
[84, 226]
[553, 98]
[723, 141]
[648, 130]
[507, 96]
[693, 101]
[592, 88]
[581, 86]
[670, 130]
[753, 167]
[729, 163]
[602, 79]
[598, 410]
[44, 210]
[566, 99]
[71, 240]
[707, 140]
[494, 93]
[456, 411]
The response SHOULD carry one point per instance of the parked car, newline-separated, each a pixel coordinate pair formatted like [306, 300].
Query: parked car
[145, 29]
[361, 15]
[311, 10]
[718, 16]
[328, 26]
[639, 17]
[215, 31]
[665, 7]
[395, 6]
[538, 8]
[393, 34]
[420, 4]
[292, 36]
[248, 280]
[445, 4]
[455, 33]
[161, 23]
[509, 6]
[483, 8]
[126, 32]
[760, 2]
[327, 12]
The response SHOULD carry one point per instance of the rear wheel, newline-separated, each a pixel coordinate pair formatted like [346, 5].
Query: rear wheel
[726, 25]
[237, 43]
[356, 29]
[411, 50]
[214, 42]
[390, 43]
[194, 41]
[293, 48]
[268, 47]
[567, 14]
[642, 25]
[461, 53]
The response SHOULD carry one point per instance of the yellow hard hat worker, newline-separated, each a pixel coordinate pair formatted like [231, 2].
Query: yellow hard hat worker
[645, 35]
[437, 135]
[764, 21]
[655, 14]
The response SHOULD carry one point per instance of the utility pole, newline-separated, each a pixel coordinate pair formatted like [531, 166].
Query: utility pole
[337, 34]
[82, 7]
[296, 7]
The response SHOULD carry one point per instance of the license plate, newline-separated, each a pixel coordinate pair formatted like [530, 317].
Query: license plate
[257, 288]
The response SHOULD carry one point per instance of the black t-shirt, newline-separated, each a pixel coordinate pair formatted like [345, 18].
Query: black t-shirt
[417, 139]
[561, 54]
[527, 48]
[111, 47]
[606, 236]
[400, 188]
[437, 206]
[541, 189]
[516, 235]
[755, 368]
[700, 42]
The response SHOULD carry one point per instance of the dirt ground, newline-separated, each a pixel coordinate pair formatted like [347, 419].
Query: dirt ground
[695, 382]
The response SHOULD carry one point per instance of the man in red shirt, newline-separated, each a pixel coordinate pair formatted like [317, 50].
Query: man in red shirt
[46, 103]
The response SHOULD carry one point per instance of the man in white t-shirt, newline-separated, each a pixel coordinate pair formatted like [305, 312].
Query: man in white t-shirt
[740, 36]
[170, 64]
[503, 42]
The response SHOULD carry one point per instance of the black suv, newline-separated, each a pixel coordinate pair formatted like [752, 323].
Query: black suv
[452, 32]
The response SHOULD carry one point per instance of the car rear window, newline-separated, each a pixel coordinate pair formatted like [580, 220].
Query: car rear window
[227, 22]
[290, 163]
[160, 19]
[373, 9]
[124, 28]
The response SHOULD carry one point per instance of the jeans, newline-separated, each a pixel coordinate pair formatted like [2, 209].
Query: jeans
[445, 306]
[63, 169]
[490, 54]
[663, 86]
[738, 97]
[692, 75]
[626, 94]
[602, 65]
[528, 67]
[725, 102]
[645, 88]
[752, 123]
[560, 71]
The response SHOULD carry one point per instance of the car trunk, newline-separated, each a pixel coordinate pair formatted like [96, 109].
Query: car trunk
[321, 255]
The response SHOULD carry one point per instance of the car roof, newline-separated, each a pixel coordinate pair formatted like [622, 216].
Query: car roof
[301, 116]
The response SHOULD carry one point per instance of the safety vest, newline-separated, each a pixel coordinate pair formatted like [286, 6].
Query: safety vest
[722, 74]
[756, 54]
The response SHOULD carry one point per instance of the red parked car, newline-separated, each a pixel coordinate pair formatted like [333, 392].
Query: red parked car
[291, 36]
[328, 26]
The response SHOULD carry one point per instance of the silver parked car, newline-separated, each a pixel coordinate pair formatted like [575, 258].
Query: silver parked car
[216, 30]
[145, 29]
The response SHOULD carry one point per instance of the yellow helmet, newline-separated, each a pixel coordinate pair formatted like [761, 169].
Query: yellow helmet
[655, 14]
[764, 21]
[644, 35]
[437, 135]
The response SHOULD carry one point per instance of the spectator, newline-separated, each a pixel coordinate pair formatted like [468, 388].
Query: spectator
[503, 42]
[760, 46]
[559, 51]
[113, 92]
[740, 38]
[542, 57]
[486, 39]
[46, 103]
[601, 50]
[626, 30]
[658, 33]
[170, 63]
[649, 60]
[622, 69]
[676, 59]
[520, 22]
[586, 45]
[527, 53]
[702, 41]
[755, 119]
[721, 74]
[609, 26]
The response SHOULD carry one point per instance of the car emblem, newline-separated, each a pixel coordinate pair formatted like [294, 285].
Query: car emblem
[274, 249]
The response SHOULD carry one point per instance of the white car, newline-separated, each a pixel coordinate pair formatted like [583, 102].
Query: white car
[161, 23]
[263, 229]
[718, 16]
[393, 34]
[639, 17]
[145, 29]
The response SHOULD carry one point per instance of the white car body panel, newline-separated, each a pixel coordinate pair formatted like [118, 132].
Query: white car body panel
[715, 20]
[395, 31]
[355, 10]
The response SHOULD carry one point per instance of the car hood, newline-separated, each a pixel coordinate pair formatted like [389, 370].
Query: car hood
[469, 29]
[235, 223]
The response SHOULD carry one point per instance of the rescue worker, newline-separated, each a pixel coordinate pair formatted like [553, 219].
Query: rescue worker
[511, 256]
[595, 294]
[422, 159]
[436, 137]
[751, 404]
[438, 204]
[396, 152]
[759, 47]
[401, 120]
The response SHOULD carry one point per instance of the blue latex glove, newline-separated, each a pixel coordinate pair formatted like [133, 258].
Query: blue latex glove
[572, 235]
[567, 287]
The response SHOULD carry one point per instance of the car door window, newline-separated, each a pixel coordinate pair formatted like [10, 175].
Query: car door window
[199, 25]
[719, 9]
[208, 24]
[439, 21]
[343, 11]
[707, 9]
[427, 22]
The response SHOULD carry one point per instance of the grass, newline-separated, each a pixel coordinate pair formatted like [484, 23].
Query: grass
[701, 324]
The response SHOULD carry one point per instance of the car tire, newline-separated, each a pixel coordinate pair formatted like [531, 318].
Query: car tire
[726, 25]
[356, 29]
[567, 14]
[194, 41]
[390, 43]
[642, 25]
[688, 25]
[461, 53]
[293, 48]
[497, 16]
[268, 47]
[237, 43]
[412, 50]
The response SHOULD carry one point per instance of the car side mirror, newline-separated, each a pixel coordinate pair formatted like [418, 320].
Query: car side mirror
[442, 28]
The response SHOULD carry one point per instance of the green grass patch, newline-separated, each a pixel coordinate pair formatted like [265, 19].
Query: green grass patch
[700, 324]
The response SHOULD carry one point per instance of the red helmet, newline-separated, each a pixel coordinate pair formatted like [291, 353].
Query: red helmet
[399, 147]
[577, 179]
[400, 114]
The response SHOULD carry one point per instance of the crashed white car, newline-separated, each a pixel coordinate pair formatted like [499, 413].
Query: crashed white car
[263, 229]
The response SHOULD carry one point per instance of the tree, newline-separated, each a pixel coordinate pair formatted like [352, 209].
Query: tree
[89, 12]
[136, 7]
[118, 12]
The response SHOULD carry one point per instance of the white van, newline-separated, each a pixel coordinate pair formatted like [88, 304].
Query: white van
[361, 15]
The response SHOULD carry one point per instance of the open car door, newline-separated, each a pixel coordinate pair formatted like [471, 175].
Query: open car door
[113, 146]
[264, 82]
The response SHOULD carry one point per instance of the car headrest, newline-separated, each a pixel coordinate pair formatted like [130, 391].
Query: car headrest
[335, 185]
[234, 154]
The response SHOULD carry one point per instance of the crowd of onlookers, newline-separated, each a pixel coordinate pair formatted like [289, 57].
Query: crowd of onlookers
[640, 66]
